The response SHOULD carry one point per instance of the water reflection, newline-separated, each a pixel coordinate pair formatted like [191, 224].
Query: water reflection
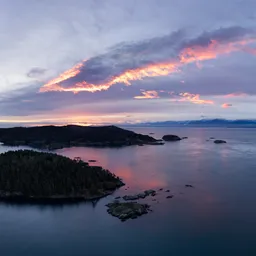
[219, 211]
[138, 170]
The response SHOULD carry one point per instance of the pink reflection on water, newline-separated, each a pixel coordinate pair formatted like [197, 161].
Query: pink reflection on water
[138, 175]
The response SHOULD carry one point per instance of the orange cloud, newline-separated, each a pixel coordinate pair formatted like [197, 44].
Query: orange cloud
[249, 50]
[195, 54]
[194, 98]
[148, 95]
[62, 77]
[226, 105]
[126, 77]
[64, 116]
[236, 94]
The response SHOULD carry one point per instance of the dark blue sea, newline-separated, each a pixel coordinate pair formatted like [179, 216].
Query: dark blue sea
[216, 217]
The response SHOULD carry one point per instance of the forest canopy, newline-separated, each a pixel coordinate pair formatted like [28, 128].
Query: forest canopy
[31, 174]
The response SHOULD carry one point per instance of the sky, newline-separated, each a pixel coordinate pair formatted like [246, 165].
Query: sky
[117, 61]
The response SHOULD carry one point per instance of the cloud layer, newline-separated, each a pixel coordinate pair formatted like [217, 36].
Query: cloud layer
[164, 56]
[143, 60]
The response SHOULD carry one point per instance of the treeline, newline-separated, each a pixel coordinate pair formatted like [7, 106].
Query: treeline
[70, 135]
[36, 174]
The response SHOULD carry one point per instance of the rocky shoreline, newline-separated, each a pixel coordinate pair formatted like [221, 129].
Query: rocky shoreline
[127, 210]
[143, 195]
[130, 208]
[17, 197]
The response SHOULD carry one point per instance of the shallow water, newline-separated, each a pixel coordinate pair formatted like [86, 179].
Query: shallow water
[217, 217]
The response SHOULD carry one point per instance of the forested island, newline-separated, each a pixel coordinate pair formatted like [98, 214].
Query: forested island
[30, 175]
[56, 137]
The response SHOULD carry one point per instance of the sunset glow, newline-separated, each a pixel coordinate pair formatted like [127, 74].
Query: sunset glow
[194, 98]
[226, 105]
[194, 54]
[62, 77]
[148, 95]
[235, 95]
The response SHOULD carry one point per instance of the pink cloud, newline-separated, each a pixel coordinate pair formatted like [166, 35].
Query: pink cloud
[196, 54]
[194, 98]
[236, 94]
[226, 105]
[148, 95]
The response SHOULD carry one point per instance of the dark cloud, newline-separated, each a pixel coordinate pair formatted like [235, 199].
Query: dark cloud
[28, 101]
[36, 72]
[222, 35]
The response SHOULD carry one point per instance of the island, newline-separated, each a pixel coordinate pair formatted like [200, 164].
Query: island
[171, 137]
[57, 137]
[32, 176]
[220, 142]
[127, 210]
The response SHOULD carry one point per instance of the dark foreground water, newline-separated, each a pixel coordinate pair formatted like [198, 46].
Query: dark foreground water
[217, 217]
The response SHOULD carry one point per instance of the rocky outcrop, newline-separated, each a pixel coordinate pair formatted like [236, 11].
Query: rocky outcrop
[220, 141]
[131, 210]
[140, 195]
[127, 210]
[171, 137]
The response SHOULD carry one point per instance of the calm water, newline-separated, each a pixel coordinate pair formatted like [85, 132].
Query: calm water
[217, 217]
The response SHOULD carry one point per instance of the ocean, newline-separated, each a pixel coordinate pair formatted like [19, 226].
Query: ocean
[215, 217]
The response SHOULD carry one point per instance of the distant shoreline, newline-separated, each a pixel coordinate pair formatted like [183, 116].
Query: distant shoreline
[203, 123]
[186, 126]
[58, 137]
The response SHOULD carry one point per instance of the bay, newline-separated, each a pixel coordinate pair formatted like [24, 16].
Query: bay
[216, 217]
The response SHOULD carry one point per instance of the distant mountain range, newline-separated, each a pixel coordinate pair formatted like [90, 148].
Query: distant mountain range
[201, 123]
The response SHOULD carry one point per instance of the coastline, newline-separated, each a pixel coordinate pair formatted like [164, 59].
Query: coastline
[53, 199]
[58, 137]
[30, 176]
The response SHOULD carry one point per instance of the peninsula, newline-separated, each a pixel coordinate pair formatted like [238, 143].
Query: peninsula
[57, 137]
[29, 175]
